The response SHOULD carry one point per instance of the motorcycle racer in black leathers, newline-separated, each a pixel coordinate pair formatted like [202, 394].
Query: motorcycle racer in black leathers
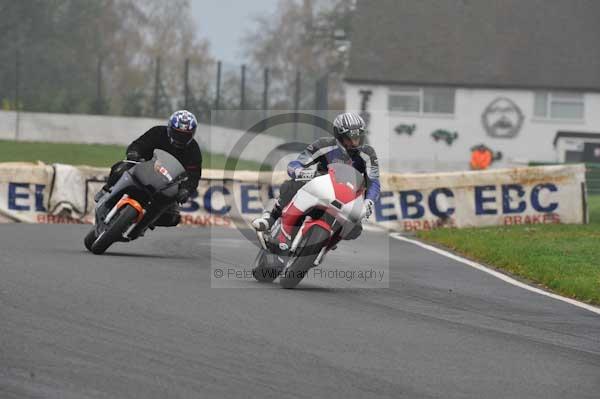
[176, 138]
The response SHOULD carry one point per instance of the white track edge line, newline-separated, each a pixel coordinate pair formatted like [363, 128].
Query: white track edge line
[496, 274]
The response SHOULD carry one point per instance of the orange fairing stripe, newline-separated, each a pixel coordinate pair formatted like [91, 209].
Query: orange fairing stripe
[136, 205]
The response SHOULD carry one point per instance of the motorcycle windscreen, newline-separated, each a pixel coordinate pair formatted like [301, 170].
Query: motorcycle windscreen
[160, 171]
[346, 174]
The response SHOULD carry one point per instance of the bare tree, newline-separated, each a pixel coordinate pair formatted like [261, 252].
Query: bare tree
[171, 35]
[74, 55]
[302, 36]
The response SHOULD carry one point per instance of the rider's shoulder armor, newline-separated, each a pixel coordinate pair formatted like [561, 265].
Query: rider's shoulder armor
[322, 143]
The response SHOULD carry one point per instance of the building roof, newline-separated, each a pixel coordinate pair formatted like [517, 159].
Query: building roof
[574, 135]
[552, 44]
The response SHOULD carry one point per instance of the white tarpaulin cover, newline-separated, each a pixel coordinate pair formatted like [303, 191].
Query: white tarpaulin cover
[38, 193]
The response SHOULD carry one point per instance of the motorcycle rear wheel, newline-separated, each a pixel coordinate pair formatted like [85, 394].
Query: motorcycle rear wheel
[261, 271]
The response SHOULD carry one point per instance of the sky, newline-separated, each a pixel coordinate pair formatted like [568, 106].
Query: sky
[223, 23]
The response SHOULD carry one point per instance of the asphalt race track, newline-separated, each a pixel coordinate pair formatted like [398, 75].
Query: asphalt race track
[147, 321]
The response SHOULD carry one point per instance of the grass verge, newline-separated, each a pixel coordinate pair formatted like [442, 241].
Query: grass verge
[91, 154]
[563, 258]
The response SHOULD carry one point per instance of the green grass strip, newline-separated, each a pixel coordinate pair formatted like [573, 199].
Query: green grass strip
[91, 154]
[563, 258]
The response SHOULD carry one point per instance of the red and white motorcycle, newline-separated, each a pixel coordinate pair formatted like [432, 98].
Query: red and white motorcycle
[325, 210]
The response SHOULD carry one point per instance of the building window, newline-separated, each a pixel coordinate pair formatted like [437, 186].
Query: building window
[558, 105]
[421, 100]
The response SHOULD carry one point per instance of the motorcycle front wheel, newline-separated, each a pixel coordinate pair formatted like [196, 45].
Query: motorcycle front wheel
[304, 257]
[114, 231]
[89, 239]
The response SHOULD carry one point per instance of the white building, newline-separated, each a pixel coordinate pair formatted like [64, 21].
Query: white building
[436, 78]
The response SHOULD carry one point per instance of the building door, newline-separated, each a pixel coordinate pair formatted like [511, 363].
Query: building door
[591, 152]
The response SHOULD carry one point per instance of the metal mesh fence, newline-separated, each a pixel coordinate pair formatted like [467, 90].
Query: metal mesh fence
[38, 81]
[593, 178]
[592, 175]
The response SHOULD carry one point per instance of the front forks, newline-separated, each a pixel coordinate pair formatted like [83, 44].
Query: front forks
[333, 240]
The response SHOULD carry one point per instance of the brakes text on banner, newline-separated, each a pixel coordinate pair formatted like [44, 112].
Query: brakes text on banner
[483, 205]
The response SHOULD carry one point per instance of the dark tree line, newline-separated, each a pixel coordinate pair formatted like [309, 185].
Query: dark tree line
[96, 56]
[102, 56]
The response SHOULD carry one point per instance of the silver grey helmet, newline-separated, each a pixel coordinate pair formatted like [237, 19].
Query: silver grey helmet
[349, 125]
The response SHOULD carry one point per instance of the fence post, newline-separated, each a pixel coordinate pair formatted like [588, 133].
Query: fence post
[321, 100]
[218, 93]
[243, 88]
[186, 83]
[296, 104]
[242, 97]
[99, 102]
[265, 99]
[156, 86]
[17, 92]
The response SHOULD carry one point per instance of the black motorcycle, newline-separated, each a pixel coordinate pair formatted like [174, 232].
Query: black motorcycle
[138, 198]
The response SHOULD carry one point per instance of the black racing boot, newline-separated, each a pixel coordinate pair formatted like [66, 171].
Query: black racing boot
[277, 247]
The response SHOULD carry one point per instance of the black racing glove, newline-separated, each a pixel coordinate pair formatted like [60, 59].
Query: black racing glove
[182, 195]
[134, 156]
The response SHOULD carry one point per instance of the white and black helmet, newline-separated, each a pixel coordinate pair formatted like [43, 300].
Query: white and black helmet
[349, 124]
